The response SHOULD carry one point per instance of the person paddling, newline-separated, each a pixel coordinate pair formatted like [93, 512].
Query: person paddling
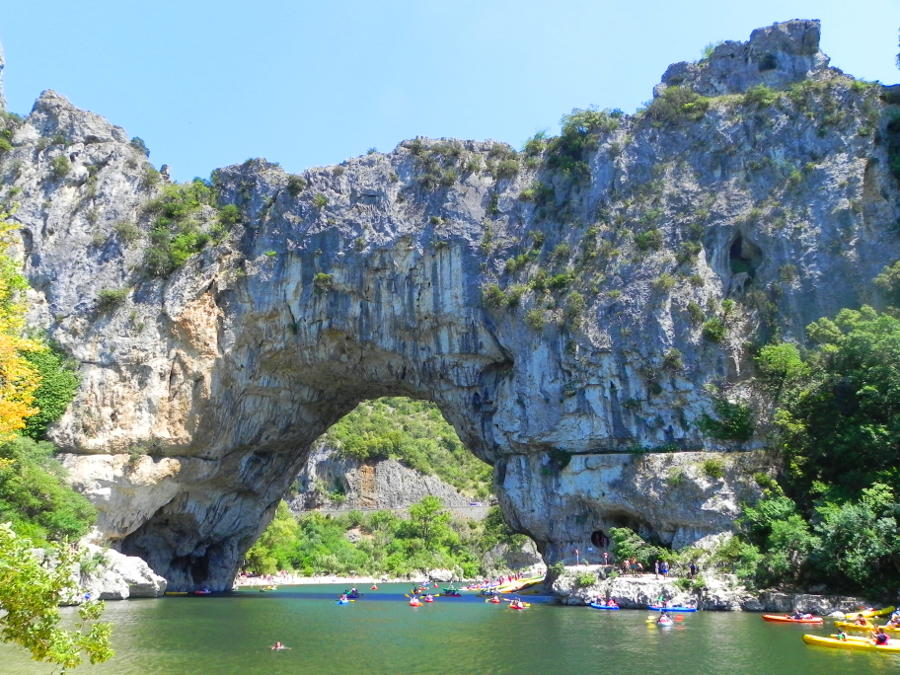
[278, 646]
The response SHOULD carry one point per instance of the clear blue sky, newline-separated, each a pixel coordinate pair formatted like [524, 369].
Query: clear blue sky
[207, 84]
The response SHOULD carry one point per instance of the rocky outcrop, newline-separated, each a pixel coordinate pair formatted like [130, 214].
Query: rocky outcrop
[575, 311]
[385, 484]
[113, 576]
[717, 593]
[776, 56]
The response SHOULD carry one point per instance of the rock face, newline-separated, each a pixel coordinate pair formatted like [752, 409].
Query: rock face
[385, 484]
[777, 56]
[2, 66]
[571, 311]
[722, 593]
[119, 577]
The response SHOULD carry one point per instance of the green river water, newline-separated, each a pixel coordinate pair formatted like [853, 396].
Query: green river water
[380, 633]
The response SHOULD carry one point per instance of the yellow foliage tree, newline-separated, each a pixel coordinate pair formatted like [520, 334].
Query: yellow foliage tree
[18, 379]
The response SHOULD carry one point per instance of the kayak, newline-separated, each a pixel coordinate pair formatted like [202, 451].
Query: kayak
[202, 591]
[415, 603]
[657, 608]
[516, 607]
[870, 613]
[343, 602]
[821, 641]
[494, 601]
[868, 627]
[519, 584]
[171, 593]
[784, 618]
[596, 605]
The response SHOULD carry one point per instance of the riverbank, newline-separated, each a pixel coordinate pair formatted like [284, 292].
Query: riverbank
[287, 579]
[581, 585]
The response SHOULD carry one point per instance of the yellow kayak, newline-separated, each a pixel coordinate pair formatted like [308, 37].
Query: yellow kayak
[868, 627]
[518, 584]
[855, 645]
[870, 613]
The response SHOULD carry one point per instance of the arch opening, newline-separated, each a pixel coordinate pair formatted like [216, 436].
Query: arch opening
[390, 490]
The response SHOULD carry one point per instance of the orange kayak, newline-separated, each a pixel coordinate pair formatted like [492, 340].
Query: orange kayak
[784, 618]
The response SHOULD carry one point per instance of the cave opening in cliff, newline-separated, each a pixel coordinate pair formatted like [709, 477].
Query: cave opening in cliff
[744, 256]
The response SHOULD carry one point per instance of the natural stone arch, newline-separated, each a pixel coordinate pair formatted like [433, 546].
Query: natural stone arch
[201, 392]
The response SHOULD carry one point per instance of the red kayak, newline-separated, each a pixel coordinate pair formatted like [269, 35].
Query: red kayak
[784, 618]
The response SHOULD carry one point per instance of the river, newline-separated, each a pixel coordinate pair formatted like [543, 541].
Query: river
[380, 633]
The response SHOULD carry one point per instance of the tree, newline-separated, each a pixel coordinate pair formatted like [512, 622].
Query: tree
[861, 538]
[30, 595]
[18, 378]
[270, 553]
[430, 522]
[840, 424]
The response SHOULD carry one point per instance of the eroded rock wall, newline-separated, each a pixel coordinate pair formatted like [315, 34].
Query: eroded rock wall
[201, 392]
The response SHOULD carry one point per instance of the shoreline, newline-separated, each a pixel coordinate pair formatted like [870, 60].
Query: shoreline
[296, 580]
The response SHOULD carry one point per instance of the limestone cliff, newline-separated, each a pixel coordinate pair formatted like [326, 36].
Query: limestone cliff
[331, 482]
[573, 310]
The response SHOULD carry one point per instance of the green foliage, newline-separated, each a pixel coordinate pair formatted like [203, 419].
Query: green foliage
[295, 185]
[127, 231]
[177, 232]
[138, 144]
[779, 364]
[888, 280]
[30, 595]
[384, 543]
[714, 468]
[580, 134]
[628, 544]
[575, 306]
[35, 498]
[672, 360]
[860, 539]
[323, 281]
[415, 434]
[714, 329]
[585, 579]
[320, 201]
[506, 168]
[59, 381]
[695, 311]
[760, 95]
[839, 421]
[535, 319]
[734, 423]
[229, 215]
[110, 298]
[493, 296]
[677, 104]
[650, 240]
[840, 417]
[60, 166]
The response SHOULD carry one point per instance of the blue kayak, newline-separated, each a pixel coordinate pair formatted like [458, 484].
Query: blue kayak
[656, 608]
[599, 606]
[343, 602]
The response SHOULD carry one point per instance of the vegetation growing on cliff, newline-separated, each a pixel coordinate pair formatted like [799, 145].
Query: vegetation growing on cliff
[185, 219]
[35, 503]
[378, 543]
[415, 434]
[835, 516]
